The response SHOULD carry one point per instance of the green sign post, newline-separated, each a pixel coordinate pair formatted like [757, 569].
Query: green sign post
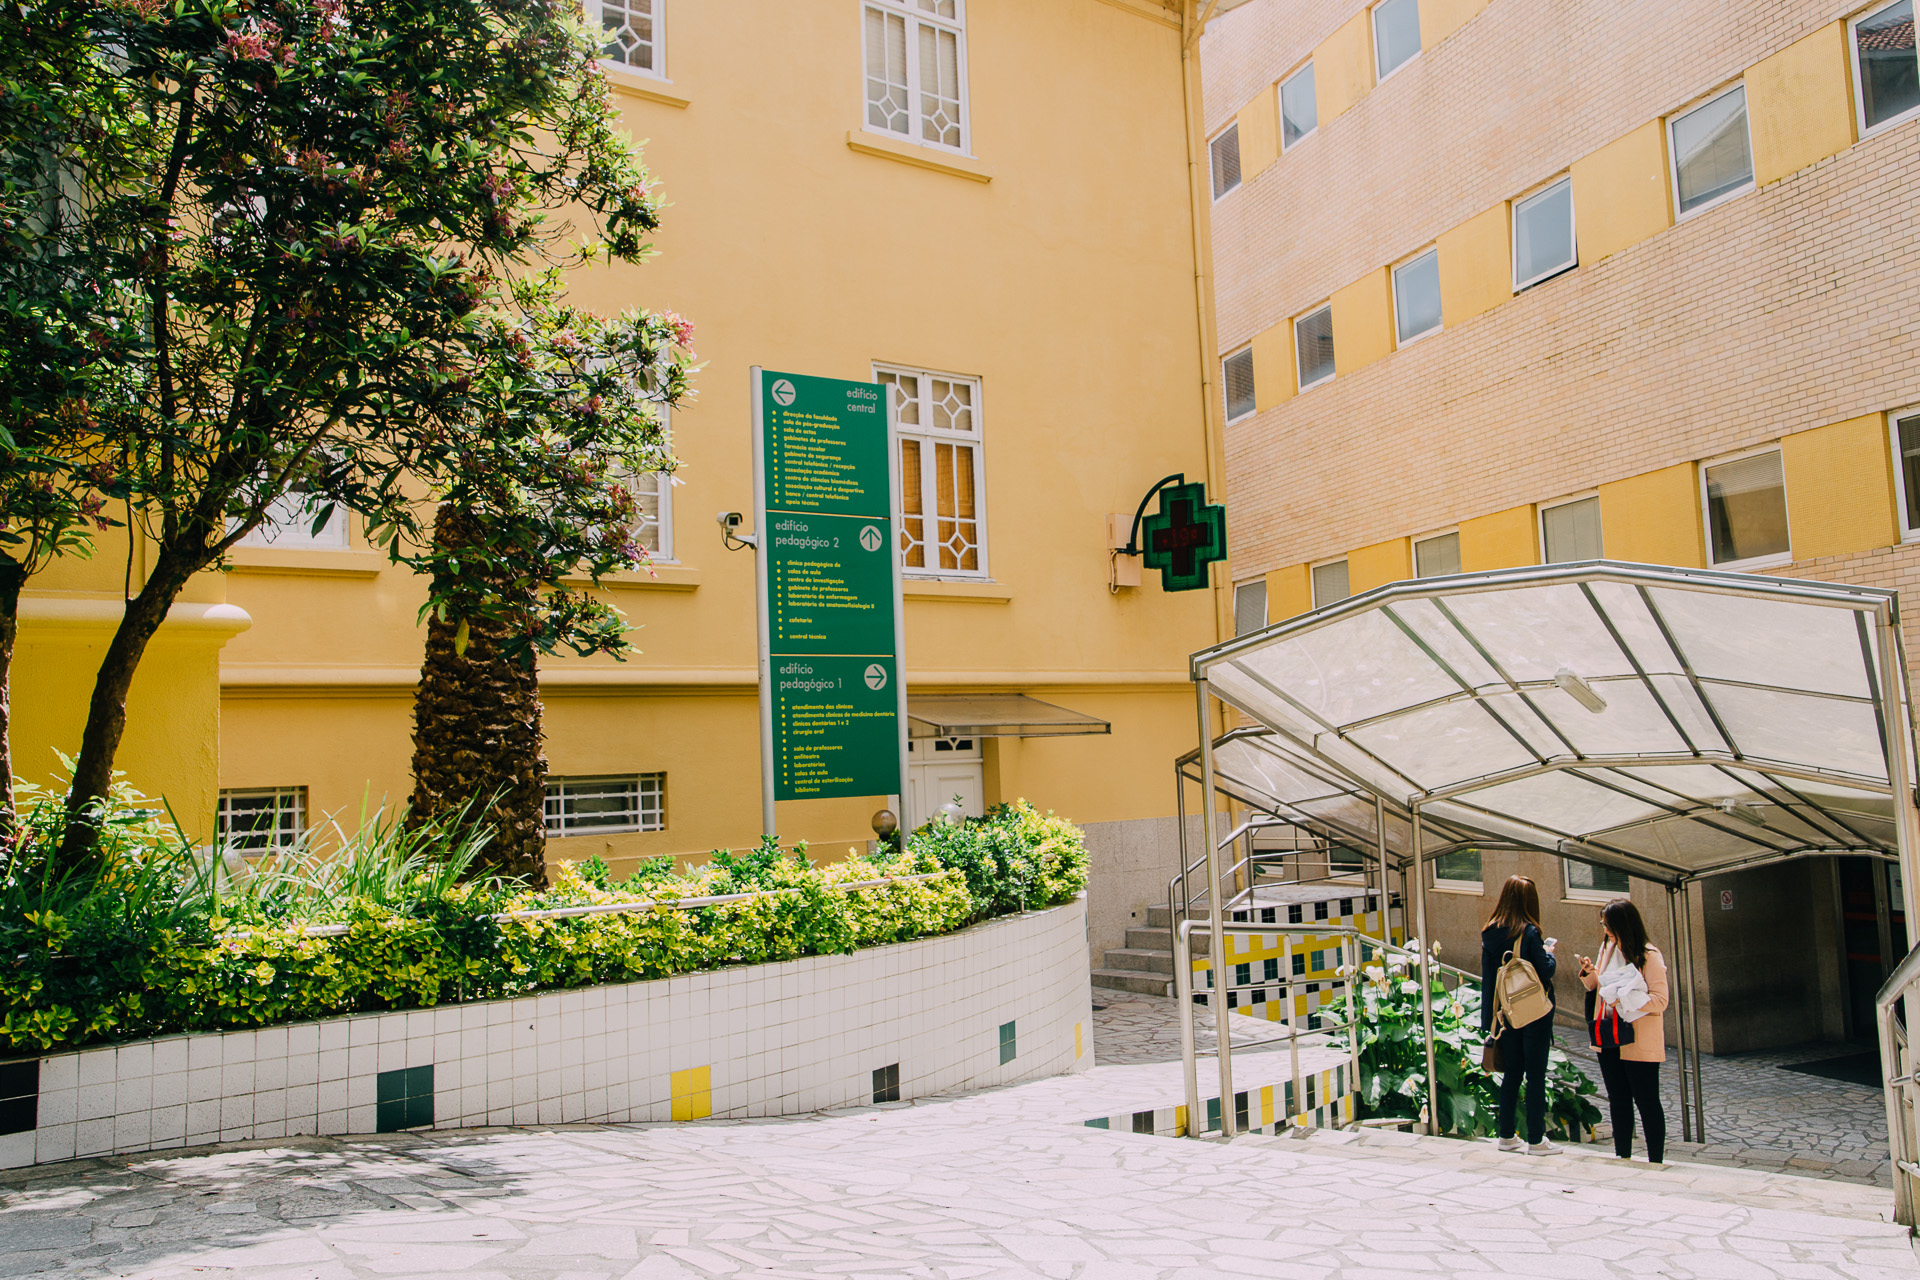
[833, 708]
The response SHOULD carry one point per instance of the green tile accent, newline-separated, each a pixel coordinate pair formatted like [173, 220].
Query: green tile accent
[1101, 1123]
[403, 1099]
[1007, 1043]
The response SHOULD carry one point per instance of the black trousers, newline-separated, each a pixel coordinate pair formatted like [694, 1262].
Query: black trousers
[1524, 1050]
[1630, 1085]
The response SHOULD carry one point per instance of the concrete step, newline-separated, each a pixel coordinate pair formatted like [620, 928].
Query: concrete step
[1151, 939]
[1142, 960]
[1159, 917]
[1593, 1165]
[1145, 984]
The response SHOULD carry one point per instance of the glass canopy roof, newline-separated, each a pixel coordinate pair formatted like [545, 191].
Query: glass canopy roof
[1672, 723]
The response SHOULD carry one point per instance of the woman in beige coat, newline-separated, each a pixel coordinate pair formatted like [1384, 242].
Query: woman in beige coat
[1628, 980]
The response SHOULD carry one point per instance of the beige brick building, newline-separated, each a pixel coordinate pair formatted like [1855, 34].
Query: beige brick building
[1503, 283]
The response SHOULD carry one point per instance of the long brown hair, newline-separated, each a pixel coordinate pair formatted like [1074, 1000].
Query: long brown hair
[1518, 907]
[1629, 931]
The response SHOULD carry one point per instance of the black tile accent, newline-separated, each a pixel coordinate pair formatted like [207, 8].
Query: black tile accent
[19, 1095]
[1293, 914]
[886, 1083]
[1008, 1044]
[1143, 1122]
[1267, 915]
[403, 1099]
[1240, 1112]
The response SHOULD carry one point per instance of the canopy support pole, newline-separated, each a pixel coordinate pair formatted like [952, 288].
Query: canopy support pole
[1692, 1049]
[1217, 920]
[1418, 872]
[1177, 911]
[1679, 1014]
[1385, 898]
[1906, 831]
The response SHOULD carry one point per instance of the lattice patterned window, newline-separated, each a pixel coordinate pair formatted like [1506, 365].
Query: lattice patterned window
[916, 69]
[653, 504]
[289, 525]
[593, 806]
[261, 819]
[635, 29]
[942, 472]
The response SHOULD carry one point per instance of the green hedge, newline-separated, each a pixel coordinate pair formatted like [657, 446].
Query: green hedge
[167, 941]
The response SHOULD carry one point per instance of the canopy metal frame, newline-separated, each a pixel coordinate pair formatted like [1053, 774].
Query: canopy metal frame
[1695, 763]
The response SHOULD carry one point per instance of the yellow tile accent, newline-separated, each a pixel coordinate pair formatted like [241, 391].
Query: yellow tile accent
[1476, 266]
[1077, 1049]
[693, 1093]
[1362, 322]
[1499, 541]
[1180, 1120]
[1654, 518]
[1289, 592]
[1379, 564]
[1259, 132]
[1266, 1105]
[1620, 192]
[1343, 67]
[1273, 367]
[1800, 104]
[1839, 488]
[1441, 18]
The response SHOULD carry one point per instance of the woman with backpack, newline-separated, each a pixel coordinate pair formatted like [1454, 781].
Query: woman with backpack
[1514, 931]
[1626, 994]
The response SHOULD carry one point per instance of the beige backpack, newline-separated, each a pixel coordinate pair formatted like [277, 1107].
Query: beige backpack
[1519, 996]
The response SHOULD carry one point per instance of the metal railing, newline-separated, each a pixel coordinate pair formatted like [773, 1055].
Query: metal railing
[1890, 1009]
[1352, 940]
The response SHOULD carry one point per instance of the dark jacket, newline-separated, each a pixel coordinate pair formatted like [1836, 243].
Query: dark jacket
[1495, 942]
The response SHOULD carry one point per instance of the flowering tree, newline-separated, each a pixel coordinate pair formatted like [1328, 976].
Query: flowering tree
[314, 202]
[535, 506]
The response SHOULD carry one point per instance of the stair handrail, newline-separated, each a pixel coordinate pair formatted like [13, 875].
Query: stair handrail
[1897, 1076]
[1348, 935]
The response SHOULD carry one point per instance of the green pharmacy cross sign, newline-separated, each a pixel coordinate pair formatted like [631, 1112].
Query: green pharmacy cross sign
[1185, 536]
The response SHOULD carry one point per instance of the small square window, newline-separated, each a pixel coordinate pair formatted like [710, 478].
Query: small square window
[1299, 110]
[1236, 376]
[1416, 297]
[1249, 606]
[1746, 510]
[1437, 556]
[583, 806]
[403, 1099]
[1543, 235]
[886, 1083]
[1396, 35]
[258, 820]
[1906, 472]
[1570, 531]
[1712, 158]
[1886, 69]
[1459, 869]
[1270, 970]
[1299, 964]
[1584, 880]
[1330, 583]
[1313, 345]
[1225, 150]
[1009, 1042]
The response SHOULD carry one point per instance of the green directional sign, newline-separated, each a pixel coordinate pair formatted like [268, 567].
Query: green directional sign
[832, 705]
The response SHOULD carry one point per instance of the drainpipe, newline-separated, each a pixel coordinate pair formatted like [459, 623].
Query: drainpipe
[1200, 201]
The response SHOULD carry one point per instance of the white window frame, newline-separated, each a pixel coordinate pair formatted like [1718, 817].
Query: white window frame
[1513, 233]
[288, 529]
[658, 71]
[1899, 472]
[1312, 589]
[1226, 402]
[646, 817]
[1859, 90]
[1239, 179]
[929, 436]
[1325, 305]
[1540, 523]
[915, 18]
[279, 840]
[1393, 276]
[1279, 106]
[1477, 887]
[1570, 892]
[1706, 511]
[1413, 549]
[1673, 155]
[1373, 29]
[664, 483]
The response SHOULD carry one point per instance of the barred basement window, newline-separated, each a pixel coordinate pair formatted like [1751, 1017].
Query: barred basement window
[916, 69]
[625, 802]
[635, 31]
[261, 819]
[942, 472]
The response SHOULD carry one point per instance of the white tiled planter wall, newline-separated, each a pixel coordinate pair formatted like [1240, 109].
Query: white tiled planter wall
[778, 1039]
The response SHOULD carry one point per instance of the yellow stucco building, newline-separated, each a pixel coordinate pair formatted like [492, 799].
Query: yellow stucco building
[985, 205]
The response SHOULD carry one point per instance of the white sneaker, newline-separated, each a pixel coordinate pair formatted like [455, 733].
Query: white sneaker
[1546, 1147]
[1511, 1144]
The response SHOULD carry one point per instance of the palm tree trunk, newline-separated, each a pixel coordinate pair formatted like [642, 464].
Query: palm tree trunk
[477, 737]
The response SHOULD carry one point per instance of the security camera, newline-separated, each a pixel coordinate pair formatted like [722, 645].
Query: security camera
[728, 520]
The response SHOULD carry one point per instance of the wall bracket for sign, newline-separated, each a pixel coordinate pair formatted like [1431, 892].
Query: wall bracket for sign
[1185, 536]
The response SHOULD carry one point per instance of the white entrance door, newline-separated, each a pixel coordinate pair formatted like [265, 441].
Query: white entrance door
[938, 769]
